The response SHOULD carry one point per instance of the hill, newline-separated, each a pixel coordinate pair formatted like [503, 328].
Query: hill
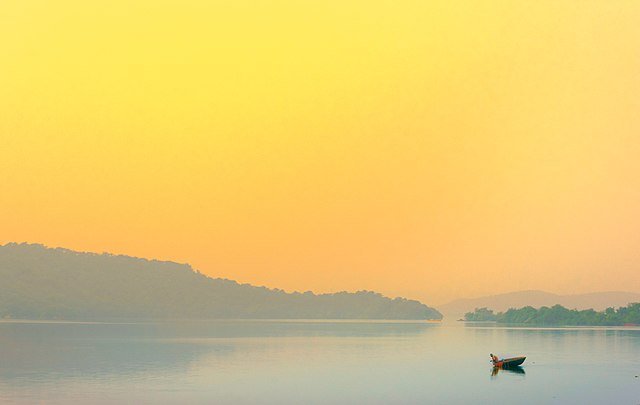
[502, 302]
[43, 283]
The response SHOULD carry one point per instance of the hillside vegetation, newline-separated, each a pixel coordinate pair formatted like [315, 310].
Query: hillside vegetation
[37, 282]
[559, 315]
[598, 301]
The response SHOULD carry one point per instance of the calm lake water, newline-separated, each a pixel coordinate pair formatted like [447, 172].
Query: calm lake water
[313, 362]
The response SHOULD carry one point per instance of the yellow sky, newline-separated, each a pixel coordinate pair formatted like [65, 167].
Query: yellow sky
[428, 149]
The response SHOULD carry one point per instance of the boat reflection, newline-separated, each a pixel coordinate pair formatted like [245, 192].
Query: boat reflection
[514, 369]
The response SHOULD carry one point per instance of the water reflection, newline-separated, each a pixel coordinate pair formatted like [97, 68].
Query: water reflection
[514, 370]
[54, 351]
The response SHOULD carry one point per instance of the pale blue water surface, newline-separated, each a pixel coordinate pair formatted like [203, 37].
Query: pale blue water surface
[308, 362]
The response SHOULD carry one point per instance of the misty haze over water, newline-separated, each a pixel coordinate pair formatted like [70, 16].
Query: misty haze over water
[313, 362]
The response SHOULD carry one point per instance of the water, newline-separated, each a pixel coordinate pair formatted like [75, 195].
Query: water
[275, 362]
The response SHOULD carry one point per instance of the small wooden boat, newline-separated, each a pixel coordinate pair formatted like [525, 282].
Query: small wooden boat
[510, 362]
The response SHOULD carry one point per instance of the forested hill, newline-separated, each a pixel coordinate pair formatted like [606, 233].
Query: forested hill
[598, 301]
[37, 282]
[558, 315]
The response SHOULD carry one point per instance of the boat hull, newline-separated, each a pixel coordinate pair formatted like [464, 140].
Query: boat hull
[511, 362]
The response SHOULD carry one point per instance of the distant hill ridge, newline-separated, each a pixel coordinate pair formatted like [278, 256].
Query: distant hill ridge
[518, 299]
[37, 282]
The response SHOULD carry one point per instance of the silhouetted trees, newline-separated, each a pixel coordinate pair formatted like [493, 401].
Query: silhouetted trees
[480, 315]
[559, 315]
[41, 283]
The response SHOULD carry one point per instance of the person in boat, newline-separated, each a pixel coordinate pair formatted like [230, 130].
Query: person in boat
[494, 358]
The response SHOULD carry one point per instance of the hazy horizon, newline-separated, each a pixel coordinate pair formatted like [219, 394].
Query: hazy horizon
[431, 150]
[387, 293]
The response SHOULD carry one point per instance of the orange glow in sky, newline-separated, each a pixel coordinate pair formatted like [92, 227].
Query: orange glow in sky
[429, 149]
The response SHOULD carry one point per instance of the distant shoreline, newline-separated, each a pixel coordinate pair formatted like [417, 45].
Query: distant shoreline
[557, 315]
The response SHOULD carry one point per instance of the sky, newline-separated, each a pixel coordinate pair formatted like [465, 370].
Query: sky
[427, 149]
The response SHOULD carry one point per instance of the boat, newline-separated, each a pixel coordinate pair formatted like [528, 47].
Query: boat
[507, 363]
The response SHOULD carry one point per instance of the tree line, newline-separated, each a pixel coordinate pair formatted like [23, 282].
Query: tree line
[559, 315]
